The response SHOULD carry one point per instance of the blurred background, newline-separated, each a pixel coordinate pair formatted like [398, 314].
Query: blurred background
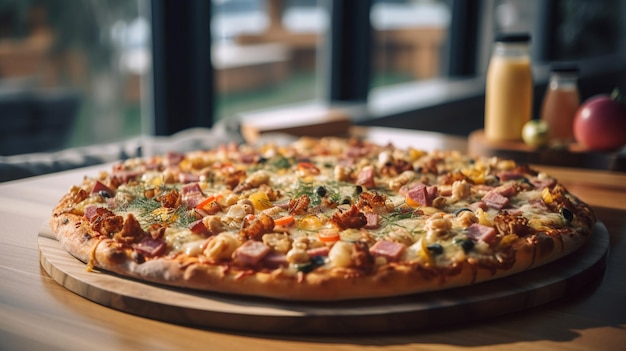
[83, 72]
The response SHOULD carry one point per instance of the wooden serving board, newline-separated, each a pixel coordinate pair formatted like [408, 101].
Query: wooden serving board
[574, 156]
[248, 314]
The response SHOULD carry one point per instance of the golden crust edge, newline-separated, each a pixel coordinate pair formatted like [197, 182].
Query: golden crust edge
[394, 281]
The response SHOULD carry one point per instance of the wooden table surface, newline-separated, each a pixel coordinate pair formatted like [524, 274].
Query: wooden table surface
[36, 313]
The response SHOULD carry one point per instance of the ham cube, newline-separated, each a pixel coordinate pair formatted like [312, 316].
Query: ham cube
[478, 204]
[186, 177]
[510, 175]
[418, 194]
[485, 233]
[431, 193]
[495, 200]
[150, 247]
[373, 220]
[173, 158]
[192, 200]
[422, 194]
[366, 177]
[391, 250]
[191, 188]
[251, 252]
[318, 251]
[198, 227]
[192, 194]
[100, 188]
[506, 190]
[540, 184]
[275, 260]
[91, 211]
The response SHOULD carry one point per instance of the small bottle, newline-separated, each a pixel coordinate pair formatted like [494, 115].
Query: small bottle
[560, 103]
[509, 89]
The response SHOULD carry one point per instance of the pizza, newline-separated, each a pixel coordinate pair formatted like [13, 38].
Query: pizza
[319, 219]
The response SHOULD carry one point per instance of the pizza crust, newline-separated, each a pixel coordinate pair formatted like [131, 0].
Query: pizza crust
[338, 284]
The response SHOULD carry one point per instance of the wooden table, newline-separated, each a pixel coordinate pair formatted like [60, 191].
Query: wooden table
[38, 313]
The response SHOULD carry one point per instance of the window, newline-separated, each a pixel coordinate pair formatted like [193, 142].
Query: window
[409, 41]
[71, 77]
[266, 53]
[106, 71]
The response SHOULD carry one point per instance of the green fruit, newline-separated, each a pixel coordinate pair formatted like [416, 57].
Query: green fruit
[535, 133]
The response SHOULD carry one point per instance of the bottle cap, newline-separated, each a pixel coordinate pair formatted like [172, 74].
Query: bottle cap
[564, 67]
[512, 37]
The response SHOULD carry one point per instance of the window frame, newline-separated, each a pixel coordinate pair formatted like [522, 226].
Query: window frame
[182, 74]
[184, 85]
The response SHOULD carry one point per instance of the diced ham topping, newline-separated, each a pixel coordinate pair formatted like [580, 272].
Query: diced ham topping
[485, 233]
[173, 158]
[198, 227]
[388, 249]
[190, 188]
[507, 190]
[540, 184]
[99, 188]
[422, 194]
[275, 260]
[124, 176]
[366, 177]
[418, 194]
[251, 252]
[510, 175]
[150, 247]
[90, 212]
[186, 177]
[192, 194]
[318, 251]
[373, 220]
[192, 200]
[478, 204]
[538, 203]
[355, 151]
[248, 158]
[495, 200]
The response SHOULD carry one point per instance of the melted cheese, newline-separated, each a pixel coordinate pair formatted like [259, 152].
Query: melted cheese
[178, 238]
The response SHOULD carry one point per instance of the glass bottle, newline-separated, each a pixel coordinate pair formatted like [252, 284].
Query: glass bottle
[509, 89]
[560, 103]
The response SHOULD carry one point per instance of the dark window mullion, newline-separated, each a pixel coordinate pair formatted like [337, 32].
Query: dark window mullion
[463, 38]
[183, 92]
[545, 39]
[350, 50]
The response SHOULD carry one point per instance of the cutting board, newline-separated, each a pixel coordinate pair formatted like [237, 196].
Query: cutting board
[246, 314]
[573, 156]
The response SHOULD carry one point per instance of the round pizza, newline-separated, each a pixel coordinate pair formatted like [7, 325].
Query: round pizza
[319, 219]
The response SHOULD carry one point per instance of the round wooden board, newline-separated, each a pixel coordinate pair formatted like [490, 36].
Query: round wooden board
[248, 314]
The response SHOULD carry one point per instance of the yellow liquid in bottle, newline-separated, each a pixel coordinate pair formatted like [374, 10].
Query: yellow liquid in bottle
[508, 99]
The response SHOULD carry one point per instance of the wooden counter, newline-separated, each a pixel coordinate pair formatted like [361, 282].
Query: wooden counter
[38, 313]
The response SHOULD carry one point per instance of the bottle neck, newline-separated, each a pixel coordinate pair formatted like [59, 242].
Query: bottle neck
[503, 49]
[563, 81]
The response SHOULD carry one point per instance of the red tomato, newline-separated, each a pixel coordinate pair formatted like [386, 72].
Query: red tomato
[600, 123]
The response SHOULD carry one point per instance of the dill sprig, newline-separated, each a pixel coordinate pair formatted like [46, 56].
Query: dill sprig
[316, 192]
[150, 210]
